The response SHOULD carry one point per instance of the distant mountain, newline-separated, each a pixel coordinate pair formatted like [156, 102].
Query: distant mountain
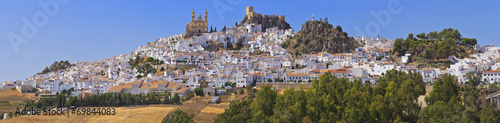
[318, 36]
[56, 66]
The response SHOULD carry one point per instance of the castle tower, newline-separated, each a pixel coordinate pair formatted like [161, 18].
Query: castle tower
[206, 15]
[192, 16]
[249, 10]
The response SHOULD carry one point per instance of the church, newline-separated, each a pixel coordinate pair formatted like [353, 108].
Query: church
[198, 26]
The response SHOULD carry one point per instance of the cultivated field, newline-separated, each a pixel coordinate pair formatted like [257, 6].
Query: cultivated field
[139, 114]
[10, 100]
[198, 106]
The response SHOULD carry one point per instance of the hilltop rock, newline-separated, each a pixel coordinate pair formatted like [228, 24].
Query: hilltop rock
[320, 36]
[56, 66]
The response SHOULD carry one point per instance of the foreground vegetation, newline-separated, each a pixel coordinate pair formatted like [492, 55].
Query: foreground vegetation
[108, 99]
[332, 99]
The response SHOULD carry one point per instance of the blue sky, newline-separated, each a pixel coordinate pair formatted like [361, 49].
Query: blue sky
[92, 30]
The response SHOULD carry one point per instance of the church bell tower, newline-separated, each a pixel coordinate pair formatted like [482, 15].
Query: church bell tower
[192, 16]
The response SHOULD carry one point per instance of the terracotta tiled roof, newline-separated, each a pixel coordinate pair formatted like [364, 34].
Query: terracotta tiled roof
[182, 90]
[257, 74]
[118, 88]
[171, 87]
[320, 70]
[135, 83]
[490, 71]
[297, 74]
[336, 71]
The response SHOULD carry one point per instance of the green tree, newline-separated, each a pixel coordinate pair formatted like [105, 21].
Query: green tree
[233, 85]
[439, 112]
[490, 114]
[421, 35]
[199, 91]
[339, 28]
[265, 101]
[167, 98]
[445, 89]
[68, 93]
[149, 59]
[178, 116]
[176, 99]
[64, 91]
[469, 41]
[239, 111]
[398, 46]
[242, 91]
[250, 91]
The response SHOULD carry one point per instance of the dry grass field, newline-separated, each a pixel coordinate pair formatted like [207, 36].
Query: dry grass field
[210, 112]
[139, 114]
[215, 108]
[203, 112]
[10, 100]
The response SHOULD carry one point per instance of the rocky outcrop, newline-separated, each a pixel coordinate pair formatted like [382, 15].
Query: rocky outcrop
[320, 36]
[56, 66]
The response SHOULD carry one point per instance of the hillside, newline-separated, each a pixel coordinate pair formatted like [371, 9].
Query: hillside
[435, 47]
[123, 114]
[11, 99]
[318, 36]
[56, 66]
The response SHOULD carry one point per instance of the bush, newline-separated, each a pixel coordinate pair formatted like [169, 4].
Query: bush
[178, 116]
[199, 91]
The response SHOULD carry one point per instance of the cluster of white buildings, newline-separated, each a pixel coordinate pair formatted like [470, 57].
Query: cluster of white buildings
[262, 61]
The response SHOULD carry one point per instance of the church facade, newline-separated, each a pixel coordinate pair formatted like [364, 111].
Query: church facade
[197, 26]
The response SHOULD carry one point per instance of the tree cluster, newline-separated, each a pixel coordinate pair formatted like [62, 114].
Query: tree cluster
[332, 99]
[199, 91]
[449, 102]
[144, 65]
[434, 45]
[178, 116]
[109, 99]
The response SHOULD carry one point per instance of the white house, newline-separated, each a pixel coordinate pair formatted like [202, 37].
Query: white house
[8, 85]
[298, 77]
[253, 27]
[491, 76]
[51, 86]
